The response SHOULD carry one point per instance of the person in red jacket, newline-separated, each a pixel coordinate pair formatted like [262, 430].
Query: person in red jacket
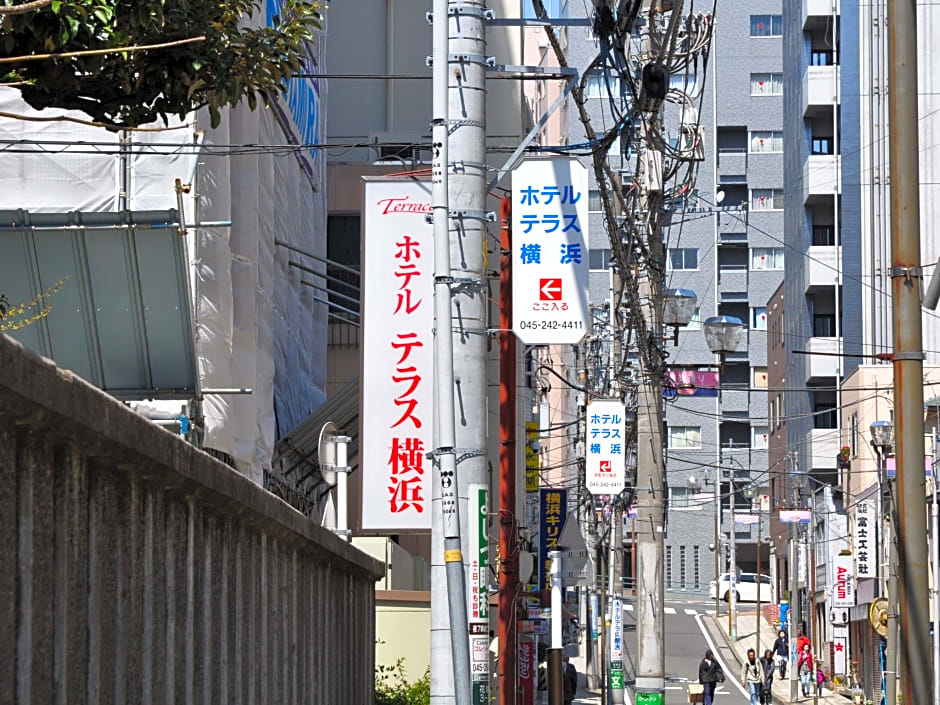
[805, 668]
[802, 641]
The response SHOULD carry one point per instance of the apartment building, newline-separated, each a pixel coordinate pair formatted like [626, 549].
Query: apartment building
[725, 244]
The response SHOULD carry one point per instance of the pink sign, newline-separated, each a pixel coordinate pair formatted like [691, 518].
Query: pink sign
[694, 383]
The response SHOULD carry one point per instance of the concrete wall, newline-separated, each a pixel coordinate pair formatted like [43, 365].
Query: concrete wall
[403, 630]
[136, 569]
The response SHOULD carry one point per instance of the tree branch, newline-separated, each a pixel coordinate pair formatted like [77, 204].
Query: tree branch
[24, 8]
[97, 52]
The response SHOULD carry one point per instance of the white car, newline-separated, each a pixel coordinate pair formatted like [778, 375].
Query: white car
[746, 585]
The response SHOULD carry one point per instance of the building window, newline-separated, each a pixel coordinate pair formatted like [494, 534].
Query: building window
[766, 258]
[682, 258]
[820, 58]
[696, 322]
[594, 201]
[684, 437]
[759, 318]
[767, 199]
[696, 568]
[685, 82]
[824, 236]
[597, 86]
[759, 437]
[853, 438]
[766, 25]
[824, 325]
[599, 259]
[821, 145]
[668, 570]
[766, 84]
[682, 567]
[760, 377]
[680, 496]
[766, 142]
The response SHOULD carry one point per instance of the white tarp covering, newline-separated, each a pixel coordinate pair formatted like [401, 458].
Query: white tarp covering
[257, 326]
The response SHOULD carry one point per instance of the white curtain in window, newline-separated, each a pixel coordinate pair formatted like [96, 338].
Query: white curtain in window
[759, 318]
[766, 84]
[760, 437]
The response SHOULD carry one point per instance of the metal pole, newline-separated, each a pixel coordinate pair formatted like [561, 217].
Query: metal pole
[342, 483]
[602, 609]
[906, 280]
[794, 616]
[508, 558]
[760, 584]
[935, 554]
[718, 532]
[450, 647]
[892, 652]
[733, 575]
[556, 690]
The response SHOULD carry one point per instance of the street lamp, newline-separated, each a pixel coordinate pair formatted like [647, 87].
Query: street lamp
[723, 335]
[882, 440]
[678, 310]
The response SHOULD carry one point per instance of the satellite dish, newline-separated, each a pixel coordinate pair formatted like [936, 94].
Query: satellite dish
[719, 197]
[878, 615]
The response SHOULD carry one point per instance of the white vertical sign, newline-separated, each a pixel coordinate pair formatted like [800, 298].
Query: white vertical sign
[605, 468]
[549, 251]
[843, 586]
[616, 631]
[865, 540]
[397, 361]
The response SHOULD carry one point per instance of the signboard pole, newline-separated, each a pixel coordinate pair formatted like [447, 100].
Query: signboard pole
[556, 691]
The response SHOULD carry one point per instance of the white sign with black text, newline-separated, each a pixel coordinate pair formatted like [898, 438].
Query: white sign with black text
[865, 540]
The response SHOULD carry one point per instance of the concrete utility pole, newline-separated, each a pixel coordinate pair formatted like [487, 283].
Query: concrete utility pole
[906, 280]
[460, 292]
[935, 557]
[794, 612]
[732, 559]
[616, 597]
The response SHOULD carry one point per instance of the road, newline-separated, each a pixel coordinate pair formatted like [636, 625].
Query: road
[685, 647]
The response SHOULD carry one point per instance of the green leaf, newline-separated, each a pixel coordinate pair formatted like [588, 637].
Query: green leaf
[56, 6]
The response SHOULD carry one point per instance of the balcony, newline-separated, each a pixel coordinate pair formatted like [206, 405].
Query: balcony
[821, 177]
[735, 400]
[823, 448]
[822, 360]
[732, 280]
[732, 165]
[820, 88]
[817, 12]
[821, 267]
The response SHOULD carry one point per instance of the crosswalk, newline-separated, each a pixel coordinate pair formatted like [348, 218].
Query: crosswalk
[689, 611]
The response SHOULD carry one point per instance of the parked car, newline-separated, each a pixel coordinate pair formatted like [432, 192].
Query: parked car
[746, 588]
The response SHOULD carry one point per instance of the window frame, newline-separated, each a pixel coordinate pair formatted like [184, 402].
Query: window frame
[755, 371]
[771, 20]
[770, 77]
[683, 250]
[770, 195]
[774, 135]
[755, 315]
[755, 432]
[774, 255]
[670, 438]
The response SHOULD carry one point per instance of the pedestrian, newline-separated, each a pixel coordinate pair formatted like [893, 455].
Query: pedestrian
[752, 676]
[766, 693]
[801, 641]
[805, 668]
[782, 652]
[820, 679]
[710, 675]
[570, 682]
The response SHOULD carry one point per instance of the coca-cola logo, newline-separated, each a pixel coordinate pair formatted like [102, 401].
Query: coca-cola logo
[525, 662]
[403, 204]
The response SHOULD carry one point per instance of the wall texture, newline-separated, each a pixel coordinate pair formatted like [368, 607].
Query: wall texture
[136, 569]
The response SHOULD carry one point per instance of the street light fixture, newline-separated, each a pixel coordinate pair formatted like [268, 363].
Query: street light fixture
[678, 310]
[724, 334]
[882, 435]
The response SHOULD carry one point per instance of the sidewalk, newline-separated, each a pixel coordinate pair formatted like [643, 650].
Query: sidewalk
[734, 654]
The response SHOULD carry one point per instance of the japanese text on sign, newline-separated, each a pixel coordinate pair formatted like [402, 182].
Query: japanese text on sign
[605, 465]
[865, 540]
[843, 588]
[550, 257]
[397, 362]
[553, 510]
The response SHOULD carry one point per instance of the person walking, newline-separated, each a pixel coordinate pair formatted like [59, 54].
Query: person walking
[570, 678]
[820, 679]
[710, 675]
[767, 664]
[752, 676]
[805, 668]
[782, 652]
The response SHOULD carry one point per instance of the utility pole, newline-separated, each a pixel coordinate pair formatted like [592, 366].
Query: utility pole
[794, 611]
[508, 558]
[718, 535]
[460, 286]
[906, 281]
[732, 559]
[892, 648]
[935, 555]
[556, 690]
[616, 562]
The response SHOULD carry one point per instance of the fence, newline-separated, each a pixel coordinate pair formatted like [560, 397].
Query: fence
[137, 569]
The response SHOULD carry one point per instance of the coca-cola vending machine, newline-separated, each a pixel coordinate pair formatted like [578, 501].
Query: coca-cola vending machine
[527, 665]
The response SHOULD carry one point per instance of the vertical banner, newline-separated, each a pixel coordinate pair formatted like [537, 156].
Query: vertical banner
[531, 457]
[840, 650]
[527, 667]
[549, 251]
[477, 597]
[616, 646]
[553, 510]
[865, 540]
[605, 467]
[843, 588]
[397, 360]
